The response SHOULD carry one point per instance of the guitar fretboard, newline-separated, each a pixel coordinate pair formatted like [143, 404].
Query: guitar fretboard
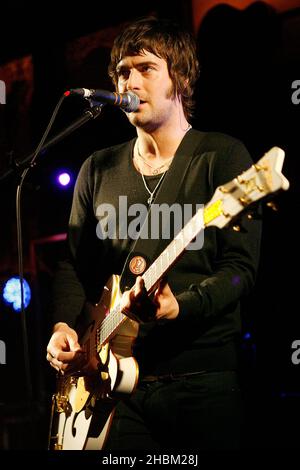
[154, 273]
[172, 252]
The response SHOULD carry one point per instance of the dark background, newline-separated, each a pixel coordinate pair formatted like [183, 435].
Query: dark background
[249, 60]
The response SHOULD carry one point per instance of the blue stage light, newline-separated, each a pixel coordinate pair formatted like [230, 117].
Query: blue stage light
[247, 336]
[64, 179]
[12, 293]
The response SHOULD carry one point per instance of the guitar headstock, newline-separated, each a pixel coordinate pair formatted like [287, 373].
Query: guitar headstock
[261, 180]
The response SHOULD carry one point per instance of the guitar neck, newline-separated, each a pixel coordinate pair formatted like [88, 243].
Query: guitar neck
[173, 251]
[154, 273]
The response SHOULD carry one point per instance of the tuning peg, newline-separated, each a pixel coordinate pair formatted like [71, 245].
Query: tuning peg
[272, 206]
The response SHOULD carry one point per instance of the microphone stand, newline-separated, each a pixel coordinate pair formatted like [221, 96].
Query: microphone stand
[18, 166]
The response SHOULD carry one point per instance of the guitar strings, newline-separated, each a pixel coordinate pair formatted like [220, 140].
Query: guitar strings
[115, 316]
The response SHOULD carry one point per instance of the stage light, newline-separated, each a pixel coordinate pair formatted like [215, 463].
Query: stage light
[12, 293]
[64, 179]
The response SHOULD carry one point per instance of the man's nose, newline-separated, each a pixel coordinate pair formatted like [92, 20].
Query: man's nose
[134, 80]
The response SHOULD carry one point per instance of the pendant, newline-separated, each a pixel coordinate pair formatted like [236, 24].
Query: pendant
[149, 200]
[155, 172]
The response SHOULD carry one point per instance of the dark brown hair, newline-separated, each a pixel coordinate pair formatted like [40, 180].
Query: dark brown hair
[166, 40]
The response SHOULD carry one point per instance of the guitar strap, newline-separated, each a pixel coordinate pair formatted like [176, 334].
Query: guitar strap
[146, 248]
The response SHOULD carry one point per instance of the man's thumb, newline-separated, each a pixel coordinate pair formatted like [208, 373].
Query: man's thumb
[73, 342]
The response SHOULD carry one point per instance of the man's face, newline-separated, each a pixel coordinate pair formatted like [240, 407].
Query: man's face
[147, 76]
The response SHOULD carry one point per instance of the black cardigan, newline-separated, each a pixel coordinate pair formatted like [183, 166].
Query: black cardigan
[208, 283]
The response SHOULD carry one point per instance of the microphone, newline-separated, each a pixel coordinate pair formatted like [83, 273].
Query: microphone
[128, 101]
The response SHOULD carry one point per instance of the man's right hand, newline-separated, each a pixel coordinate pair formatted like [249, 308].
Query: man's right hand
[63, 351]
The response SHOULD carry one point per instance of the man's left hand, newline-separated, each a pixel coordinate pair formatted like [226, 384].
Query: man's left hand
[136, 303]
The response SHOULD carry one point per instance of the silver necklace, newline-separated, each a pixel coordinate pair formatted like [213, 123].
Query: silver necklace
[155, 171]
[152, 193]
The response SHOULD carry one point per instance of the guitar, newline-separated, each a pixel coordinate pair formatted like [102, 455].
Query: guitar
[84, 403]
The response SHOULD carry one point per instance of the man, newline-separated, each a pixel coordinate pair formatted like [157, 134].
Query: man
[188, 393]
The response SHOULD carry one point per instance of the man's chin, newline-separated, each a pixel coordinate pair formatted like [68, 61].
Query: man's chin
[142, 122]
[136, 120]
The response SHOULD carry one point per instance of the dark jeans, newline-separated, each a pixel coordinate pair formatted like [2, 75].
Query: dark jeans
[199, 412]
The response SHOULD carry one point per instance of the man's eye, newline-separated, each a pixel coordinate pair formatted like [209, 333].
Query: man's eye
[123, 74]
[147, 68]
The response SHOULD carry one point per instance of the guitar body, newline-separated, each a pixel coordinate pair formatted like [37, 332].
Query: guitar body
[84, 403]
